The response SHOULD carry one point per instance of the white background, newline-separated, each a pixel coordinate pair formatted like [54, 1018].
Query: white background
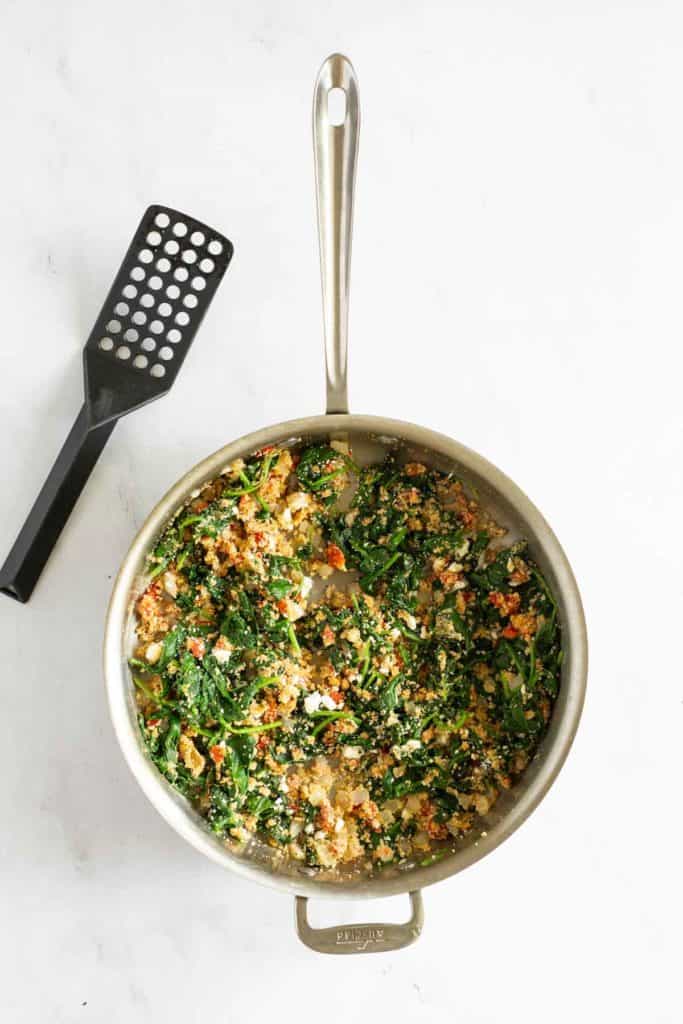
[517, 276]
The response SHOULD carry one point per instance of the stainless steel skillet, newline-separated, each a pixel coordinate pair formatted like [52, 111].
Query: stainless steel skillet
[335, 158]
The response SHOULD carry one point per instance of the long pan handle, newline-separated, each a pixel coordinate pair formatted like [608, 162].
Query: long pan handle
[53, 506]
[335, 145]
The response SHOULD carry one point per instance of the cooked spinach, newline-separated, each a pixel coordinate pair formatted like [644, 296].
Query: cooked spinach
[431, 682]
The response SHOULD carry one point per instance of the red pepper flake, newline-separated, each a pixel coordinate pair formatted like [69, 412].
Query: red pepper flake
[335, 557]
[217, 754]
[196, 646]
[510, 632]
[153, 722]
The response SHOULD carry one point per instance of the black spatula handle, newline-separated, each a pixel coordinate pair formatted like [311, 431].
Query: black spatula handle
[53, 506]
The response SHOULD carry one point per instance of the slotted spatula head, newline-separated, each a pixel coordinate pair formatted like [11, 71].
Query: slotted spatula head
[136, 348]
[150, 317]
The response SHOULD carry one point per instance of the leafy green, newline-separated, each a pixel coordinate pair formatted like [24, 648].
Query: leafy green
[238, 630]
[279, 587]
[431, 620]
[320, 464]
[388, 698]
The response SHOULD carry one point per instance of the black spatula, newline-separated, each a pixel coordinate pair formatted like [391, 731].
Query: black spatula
[136, 348]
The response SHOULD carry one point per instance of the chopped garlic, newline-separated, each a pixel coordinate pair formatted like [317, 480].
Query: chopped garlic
[312, 702]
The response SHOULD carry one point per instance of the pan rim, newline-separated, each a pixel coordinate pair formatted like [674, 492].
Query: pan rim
[158, 791]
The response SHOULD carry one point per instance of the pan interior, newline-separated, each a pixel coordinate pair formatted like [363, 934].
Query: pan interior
[512, 510]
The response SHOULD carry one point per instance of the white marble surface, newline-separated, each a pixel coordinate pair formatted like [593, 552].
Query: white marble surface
[516, 283]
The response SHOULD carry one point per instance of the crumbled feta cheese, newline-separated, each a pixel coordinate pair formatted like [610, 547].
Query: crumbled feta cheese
[312, 702]
[306, 584]
[294, 611]
[352, 753]
[339, 825]
[222, 655]
[295, 829]
[153, 653]
[170, 584]
[327, 702]
[309, 829]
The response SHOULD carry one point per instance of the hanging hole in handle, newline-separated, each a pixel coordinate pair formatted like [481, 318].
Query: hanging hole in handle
[336, 106]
